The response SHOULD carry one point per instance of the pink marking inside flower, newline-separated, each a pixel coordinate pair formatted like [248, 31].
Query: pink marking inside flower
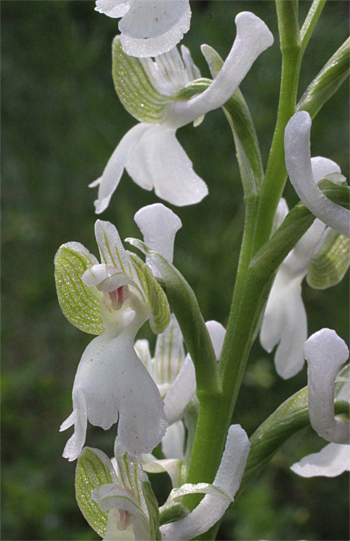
[118, 297]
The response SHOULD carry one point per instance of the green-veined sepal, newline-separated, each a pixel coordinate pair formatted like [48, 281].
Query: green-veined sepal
[93, 470]
[330, 263]
[155, 297]
[135, 87]
[79, 303]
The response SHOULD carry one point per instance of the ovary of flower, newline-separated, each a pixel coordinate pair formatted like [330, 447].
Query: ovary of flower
[151, 153]
[213, 506]
[325, 352]
[285, 321]
[148, 27]
[298, 163]
[111, 384]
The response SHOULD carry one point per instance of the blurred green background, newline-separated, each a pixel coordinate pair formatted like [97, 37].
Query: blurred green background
[61, 122]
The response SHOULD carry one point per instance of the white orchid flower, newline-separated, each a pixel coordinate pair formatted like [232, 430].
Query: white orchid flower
[298, 163]
[148, 89]
[148, 27]
[218, 496]
[325, 353]
[111, 384]
[285, 322]
[115, 496]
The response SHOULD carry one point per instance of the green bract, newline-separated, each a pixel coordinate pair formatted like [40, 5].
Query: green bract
[79, 303]
[330, 263]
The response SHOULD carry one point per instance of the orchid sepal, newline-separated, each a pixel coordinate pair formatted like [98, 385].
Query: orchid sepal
[330, 263]
[79, 303]
[93, 469]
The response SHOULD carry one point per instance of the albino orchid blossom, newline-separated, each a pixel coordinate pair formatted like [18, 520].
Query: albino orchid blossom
[298, 163]
[148, 27]
[215, 503]
[325, 353]
[285, 321]
[111, 384]
[150, 151]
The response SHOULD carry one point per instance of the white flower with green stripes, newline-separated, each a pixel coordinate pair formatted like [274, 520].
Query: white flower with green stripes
[162, 96]
[112, 299]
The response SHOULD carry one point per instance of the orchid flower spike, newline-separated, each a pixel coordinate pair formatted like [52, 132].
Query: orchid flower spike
[149, 90]
[218, 496]
[325, 353]
[113, 299]
[317, 256]
[148, 27]
[298, 163]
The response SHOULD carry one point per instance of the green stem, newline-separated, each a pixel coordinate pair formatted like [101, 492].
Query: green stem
[251, 290]
[276, 173]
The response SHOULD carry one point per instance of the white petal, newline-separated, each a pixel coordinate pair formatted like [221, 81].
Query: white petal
[158, 225]
[285, 323]
[169, 354]
[228, 479]
[325, 352]
[173, 467]
[174, 440]
[181, 392]
[321, 167]
[153, 46]
[111, 249]
[115, 166]
[281, 213]
[331, 461]
[112, 8]
[142, 351]
[252, 38]
[298, 163]
[152, 18]
[76, 442]
[105, 278]
[159, 160]
[217, 334]
[116, 384]
[113, 496]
